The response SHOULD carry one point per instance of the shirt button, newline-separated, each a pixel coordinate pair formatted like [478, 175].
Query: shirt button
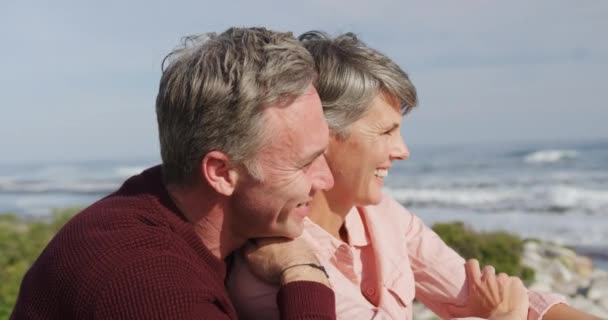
[344, 250]
[370, 291]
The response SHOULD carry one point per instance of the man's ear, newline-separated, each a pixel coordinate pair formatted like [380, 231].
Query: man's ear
[219, 172]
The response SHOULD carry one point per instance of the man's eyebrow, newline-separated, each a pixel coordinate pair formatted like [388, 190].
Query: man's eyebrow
[313, 156]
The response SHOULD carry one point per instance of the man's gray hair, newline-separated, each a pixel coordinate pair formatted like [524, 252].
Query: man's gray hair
[351, 75]
[213, 90]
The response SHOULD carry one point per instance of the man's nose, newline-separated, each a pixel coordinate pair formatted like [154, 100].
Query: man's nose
[322, 178]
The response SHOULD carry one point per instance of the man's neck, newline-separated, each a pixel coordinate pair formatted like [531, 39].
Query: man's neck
[209, 215]
[329, 210]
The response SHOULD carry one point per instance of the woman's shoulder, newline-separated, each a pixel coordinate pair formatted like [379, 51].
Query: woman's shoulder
[250, 295]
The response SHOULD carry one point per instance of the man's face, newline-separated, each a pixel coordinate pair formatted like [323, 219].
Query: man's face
[292, 169]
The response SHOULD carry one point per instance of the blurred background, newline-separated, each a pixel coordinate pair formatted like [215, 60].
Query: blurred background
[510, 133]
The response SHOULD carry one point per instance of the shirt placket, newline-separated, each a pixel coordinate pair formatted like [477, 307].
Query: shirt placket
[345, 263]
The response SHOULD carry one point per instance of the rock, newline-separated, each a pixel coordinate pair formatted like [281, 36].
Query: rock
[582, 303]
[531, 246]
[554, 251]
[598, 311]
[560, 272]
[604, 303]
[583, 266]
[542, 282]
[598, 274]
[565, 288]
[580, 265]
[540, 286]
[598, 290]
[531, 256]
[583, 283]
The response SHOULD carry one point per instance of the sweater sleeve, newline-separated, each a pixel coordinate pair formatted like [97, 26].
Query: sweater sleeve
[162, 287]
[305, 300]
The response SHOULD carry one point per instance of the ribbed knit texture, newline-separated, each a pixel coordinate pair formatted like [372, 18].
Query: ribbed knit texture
[132, 255]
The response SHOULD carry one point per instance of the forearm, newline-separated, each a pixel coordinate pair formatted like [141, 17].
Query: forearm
[304, 272]
[564, 312]
[305, 294]
[306, 300]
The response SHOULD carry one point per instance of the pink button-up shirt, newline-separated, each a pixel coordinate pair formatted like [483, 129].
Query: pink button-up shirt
[391, 258]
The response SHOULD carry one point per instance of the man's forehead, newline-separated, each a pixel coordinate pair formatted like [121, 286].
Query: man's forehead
[299, 134]
[310, 91]
[302, 106]
[298, 129]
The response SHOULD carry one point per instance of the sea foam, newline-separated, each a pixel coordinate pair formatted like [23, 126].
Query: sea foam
[550, 156]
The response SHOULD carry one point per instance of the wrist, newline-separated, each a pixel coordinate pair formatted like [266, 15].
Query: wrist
[305, 272]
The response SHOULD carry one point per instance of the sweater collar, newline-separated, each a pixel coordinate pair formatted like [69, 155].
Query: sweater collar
[176, 220]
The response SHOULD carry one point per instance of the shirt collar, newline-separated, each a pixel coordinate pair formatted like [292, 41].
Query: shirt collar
[354, 224]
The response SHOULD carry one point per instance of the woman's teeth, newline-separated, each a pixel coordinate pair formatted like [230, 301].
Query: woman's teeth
[381, 173]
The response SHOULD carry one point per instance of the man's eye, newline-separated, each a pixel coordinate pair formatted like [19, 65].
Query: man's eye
[308, 165]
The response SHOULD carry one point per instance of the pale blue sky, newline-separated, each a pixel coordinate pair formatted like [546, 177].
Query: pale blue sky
[78, 78]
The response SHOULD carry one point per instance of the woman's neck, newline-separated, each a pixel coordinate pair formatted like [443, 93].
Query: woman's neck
[329, 210]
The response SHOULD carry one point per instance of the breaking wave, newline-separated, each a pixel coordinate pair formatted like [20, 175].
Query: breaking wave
[550, 156]
[554, 199]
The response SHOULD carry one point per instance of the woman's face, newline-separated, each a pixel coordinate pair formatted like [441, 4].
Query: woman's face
[361, 161]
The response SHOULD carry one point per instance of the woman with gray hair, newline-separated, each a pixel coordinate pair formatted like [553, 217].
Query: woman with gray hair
[378, 255]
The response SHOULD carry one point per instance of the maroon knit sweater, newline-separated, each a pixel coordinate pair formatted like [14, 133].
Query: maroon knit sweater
[132, 255]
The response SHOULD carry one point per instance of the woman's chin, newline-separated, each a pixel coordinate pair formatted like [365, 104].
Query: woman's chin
[371, 199]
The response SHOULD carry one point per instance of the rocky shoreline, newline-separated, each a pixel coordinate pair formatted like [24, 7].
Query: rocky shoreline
[559, 270]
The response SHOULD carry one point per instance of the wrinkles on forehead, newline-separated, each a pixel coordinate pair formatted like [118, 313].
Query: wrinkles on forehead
[296, 134]
[384, 115]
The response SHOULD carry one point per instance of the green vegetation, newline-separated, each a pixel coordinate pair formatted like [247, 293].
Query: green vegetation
[499, 249]
[21, 241]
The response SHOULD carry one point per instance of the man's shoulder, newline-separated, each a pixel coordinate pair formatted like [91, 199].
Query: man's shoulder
[164, 285]
[139, 282]
[162, 269]
[90, 246]
[113, 233]
[89, 255]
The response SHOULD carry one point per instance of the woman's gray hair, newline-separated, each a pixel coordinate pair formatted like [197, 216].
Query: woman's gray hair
[351, 75]
[213, 90]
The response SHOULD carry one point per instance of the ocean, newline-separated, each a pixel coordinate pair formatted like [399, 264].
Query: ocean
[551, 191]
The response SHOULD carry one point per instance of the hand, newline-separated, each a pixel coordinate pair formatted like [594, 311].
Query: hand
[514, 305]
[485, 292]
[272, 260]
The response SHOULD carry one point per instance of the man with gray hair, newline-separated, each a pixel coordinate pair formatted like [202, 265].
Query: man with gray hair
[242, 135]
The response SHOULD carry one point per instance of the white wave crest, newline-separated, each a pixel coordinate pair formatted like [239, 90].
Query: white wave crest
[450, 197]
[41, 187]
[577, 198]
[550, 156]
[555, 199]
